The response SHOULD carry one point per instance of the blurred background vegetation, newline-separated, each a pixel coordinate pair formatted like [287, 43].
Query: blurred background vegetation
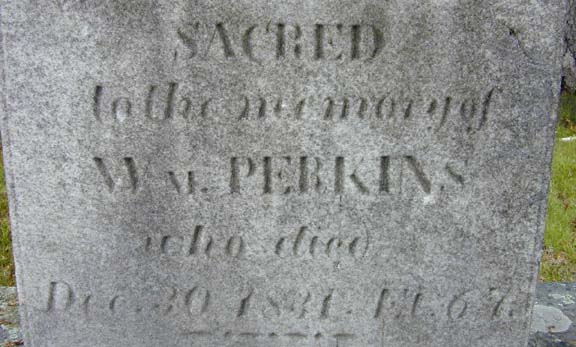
[559, 255]
[6, 263]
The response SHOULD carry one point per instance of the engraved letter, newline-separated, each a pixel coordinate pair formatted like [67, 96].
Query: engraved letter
[328, 42]
[60, 297]
[168, 111]
[458, 307]
[378, 41]
[110, 181]
[247, 43]
[188, 188]
[237, 169]
[340, 177]
[222, 34]
[97, 106]
[201, 242]
[416, 168]
[121, 109]
[384, 174]
[283, 175]
[188, 40]
[235, 246]
[309, 180]
[171, 245]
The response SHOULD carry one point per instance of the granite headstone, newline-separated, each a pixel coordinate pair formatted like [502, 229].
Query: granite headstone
[278, 173]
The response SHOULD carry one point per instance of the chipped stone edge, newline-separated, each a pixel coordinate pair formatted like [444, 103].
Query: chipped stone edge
[10, 177]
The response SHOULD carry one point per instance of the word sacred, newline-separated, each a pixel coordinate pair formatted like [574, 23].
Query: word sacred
[281, 41]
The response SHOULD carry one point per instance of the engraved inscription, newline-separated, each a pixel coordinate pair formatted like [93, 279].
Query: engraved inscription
[280, 41]
[464, 113]
[200, 244]
[388, 175]
[300, 173]
[306, 244]
[389, 303]
[170, 104]
[340, 175]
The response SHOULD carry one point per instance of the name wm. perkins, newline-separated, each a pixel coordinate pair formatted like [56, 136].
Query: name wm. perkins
[385, 175]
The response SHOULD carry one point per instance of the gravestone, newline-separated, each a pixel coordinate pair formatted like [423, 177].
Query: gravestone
[278, 173]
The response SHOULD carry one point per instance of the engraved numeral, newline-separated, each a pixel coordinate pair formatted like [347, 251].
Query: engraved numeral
[197, 301]
[458, 306]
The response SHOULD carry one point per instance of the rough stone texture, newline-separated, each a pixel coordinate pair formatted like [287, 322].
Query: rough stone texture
[10, 334]
[561, 296]
[549, 319]
[571, 28]
[569, 64]
[546, 340]
[569, 72]
[279, 173]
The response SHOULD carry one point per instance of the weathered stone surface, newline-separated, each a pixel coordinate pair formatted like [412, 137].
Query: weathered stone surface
[563, 297]
[549, 319]
[546, 340]
[279, 173]
[569, 64]
[569, 72]
[10, 332]
[571, 29]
